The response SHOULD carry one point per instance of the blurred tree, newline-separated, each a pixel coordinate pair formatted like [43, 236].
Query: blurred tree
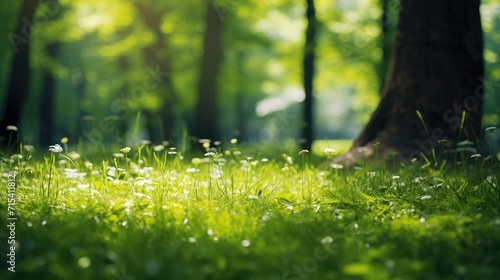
[309, 53]
[19, 75]
[47, 99]
[437, 69]
[156, 57]
[206, 123]
[46, 105]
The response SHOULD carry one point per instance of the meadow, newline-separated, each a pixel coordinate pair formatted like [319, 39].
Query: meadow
[238, 211]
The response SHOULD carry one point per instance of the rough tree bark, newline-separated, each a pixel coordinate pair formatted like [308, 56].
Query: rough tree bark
[385, 40]
[437, 69]
[309, 50]
[206, 112]
[19, 74]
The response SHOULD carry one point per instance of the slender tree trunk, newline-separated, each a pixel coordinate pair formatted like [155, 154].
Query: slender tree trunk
[206, 111]
[437, 69]
[123, 113]
[80, 84]
[47, 101]
[240, 106]
[309, 50]
[19, 74]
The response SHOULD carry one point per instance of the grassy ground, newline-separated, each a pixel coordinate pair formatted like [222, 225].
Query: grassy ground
[244, 213]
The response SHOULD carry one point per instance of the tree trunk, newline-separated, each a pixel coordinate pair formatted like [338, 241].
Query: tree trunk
[206, 112]
[47, 101]
[309, 50]
[385, 41]
[19, 75]
[240, 106]
[436, 69]
[157, 57]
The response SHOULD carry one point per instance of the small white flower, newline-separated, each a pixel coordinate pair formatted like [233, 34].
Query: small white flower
[328, 151]
[490, 129]
[245, 243]
[336, 166]
[29, 148]
[125, 150]
[327, 240]
[56, 148]
[158, 148]
[12, 128]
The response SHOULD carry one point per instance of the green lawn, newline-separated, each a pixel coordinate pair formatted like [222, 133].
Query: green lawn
[245, 213]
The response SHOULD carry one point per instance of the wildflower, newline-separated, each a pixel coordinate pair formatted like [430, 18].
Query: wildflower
[12, 128]
[144, 142]
[210, 154]
[336, 166]
[56, 148]
[158, 148]
[475, 156]
[89, 165]
[328, 151]
[234, 141]
[245, 243]
[303, 152]
[172, 151]
[29, 148]
[205, 143]
[465, 143]
[16, 156]
[327, 240]
[490, 129]
[125, 150]
[64, 140]
[74, 155]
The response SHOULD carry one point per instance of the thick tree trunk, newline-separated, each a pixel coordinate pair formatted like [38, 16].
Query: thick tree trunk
[47, 101]
[157, 56]
[309, 50]
[385, 41]
[19, 75]
[206, 112]
[437, 69]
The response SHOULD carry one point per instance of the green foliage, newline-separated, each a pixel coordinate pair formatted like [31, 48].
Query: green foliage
[105, 42]
[152, 211]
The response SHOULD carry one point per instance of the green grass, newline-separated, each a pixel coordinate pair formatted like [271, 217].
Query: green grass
[246, 214]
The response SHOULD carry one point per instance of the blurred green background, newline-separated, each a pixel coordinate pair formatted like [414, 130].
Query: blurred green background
[97, 55]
